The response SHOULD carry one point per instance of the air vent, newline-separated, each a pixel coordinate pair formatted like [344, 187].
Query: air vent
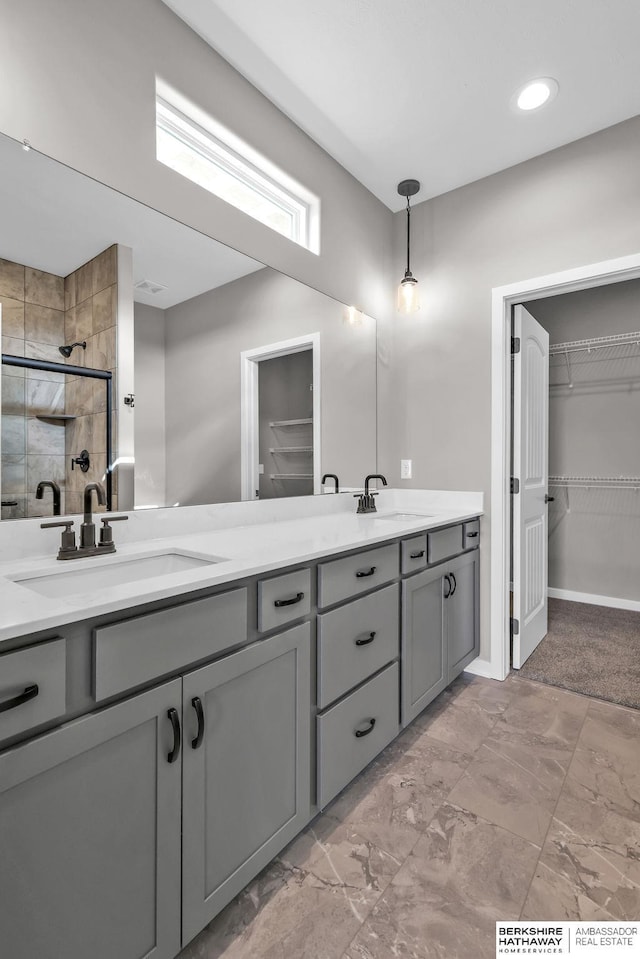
[148, 286]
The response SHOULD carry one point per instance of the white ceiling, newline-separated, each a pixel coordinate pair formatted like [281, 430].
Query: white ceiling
[422, 88]
[56, 219]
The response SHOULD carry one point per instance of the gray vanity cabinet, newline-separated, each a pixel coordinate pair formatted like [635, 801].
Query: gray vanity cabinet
[90, 837]
[439, 629]
[462, 613]
[424, 654]
[246, 768]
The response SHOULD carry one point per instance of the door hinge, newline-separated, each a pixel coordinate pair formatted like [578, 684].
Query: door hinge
[515, 627]
[515, 485]
[515, 344]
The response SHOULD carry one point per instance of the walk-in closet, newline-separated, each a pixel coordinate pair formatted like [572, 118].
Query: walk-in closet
[593, 639]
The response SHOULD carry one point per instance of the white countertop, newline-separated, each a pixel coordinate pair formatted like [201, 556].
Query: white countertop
[247, 538]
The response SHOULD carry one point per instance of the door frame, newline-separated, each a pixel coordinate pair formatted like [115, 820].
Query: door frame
[249, 407]
[503, 298]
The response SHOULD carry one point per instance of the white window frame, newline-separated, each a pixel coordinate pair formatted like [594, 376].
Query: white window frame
[203, 135]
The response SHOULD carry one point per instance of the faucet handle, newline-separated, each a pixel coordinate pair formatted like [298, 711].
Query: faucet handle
[106, 533]
[68, 544]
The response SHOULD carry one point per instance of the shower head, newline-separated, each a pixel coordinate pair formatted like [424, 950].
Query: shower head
[66, 350]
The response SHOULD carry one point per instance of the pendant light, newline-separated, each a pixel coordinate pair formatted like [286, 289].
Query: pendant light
[408, 296]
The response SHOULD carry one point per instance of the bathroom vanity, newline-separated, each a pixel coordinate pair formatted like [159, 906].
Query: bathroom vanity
[162, 739]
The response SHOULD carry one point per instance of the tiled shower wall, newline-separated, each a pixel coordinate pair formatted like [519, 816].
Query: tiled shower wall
[40, 312]
[90, 301]
[33, 449]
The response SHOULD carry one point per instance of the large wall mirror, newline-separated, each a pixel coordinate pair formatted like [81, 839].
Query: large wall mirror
[230, 381]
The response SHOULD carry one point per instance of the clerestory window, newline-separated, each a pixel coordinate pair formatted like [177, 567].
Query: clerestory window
[207, 153]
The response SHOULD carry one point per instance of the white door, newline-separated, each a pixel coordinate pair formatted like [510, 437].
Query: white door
[531, 471]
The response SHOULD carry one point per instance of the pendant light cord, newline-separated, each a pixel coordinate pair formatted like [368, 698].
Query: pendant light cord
[408, 271]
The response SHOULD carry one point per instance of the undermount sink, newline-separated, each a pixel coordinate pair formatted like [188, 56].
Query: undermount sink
[399, 517]
[69, 580]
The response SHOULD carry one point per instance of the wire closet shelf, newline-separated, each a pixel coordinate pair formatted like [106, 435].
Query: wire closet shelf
[596, 358]
[596, 482]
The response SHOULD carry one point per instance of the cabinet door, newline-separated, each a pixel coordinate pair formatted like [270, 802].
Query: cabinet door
[90, 837]
[247, 777]
[462, 612]
[424, 664]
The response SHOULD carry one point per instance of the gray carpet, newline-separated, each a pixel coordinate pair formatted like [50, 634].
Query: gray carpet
[593, 650]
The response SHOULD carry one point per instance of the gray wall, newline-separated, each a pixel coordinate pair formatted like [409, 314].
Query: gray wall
[570, 207]
[149, 411]
[593, 431]
[83, 91]
[204, 339]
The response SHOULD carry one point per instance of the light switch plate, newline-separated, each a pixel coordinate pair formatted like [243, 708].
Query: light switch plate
[405, 469]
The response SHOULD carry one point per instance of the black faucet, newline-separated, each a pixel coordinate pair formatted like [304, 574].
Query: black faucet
[88, 529]
[55, 489]
[373, 476]
[334, 477]
[366, 502]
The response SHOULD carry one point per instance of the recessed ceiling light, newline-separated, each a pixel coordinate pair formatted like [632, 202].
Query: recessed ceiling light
[536, 93]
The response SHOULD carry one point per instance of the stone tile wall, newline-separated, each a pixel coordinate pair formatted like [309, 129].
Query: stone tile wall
[90, 299]
[41, 312]
[32, 449]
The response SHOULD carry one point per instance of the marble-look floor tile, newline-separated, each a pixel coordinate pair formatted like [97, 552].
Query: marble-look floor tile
[590, 863]
[395, 803]
[548, 713]
[513, 785]
[463, 724]
[284, 913]
[607, 757]
[462, 875]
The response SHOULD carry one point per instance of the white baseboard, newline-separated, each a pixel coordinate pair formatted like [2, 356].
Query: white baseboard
[593, 599]
[482, 667]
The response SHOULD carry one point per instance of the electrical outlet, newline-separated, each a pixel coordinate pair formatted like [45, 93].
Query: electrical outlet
[405, 469]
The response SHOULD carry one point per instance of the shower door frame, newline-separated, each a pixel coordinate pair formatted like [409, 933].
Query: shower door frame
[27, 362]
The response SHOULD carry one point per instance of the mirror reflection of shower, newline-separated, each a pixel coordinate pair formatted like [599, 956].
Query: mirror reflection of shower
[67, 350]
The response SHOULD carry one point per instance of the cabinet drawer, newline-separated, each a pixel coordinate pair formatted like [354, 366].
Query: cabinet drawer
[413, 554]
[343, 578]
[444, 543]
[355, 641]
[371, 711]
[283, 599]
[138, 650]
[32, 687]
[471, 534]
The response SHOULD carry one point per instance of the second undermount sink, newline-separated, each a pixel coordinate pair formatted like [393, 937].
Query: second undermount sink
[69, 580]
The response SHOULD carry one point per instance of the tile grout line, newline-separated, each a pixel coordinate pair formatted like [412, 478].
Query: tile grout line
[542, 845]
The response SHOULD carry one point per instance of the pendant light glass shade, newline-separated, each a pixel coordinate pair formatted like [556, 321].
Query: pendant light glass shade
[408, 295]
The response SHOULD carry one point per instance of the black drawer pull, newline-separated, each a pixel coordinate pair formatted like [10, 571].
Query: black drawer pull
[30, 692]
[448, 580]
[472, 535]
[288, 602]
[417, 555]
[359, 733]
[365, 642]
[196, 702]
[369, 572]
[175, 722]
[455, 584]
